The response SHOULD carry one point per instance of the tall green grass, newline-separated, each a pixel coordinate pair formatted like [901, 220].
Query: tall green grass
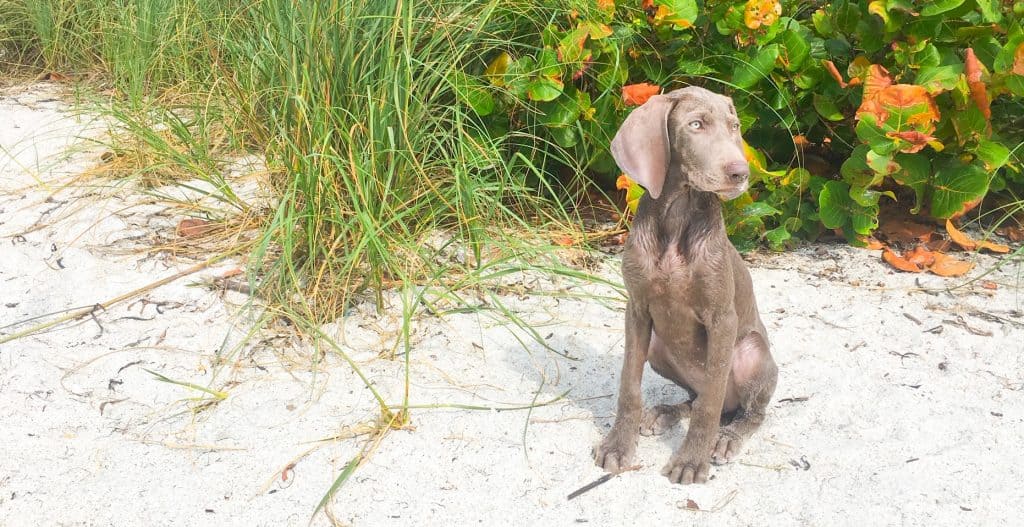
[352, 103]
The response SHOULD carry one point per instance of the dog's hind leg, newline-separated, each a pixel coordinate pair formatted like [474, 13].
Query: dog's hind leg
[755, 375]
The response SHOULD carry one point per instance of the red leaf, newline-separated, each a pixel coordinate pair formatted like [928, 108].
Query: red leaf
[915, 138]
[193, 227]
[637, 94]
[973, 70]
[1015, 234]
[563, 241]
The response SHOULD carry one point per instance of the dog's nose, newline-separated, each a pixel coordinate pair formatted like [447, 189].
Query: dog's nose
[738, 171]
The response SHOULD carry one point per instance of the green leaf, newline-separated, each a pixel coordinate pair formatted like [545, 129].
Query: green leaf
[827, 108]
[869, 132]
[994, 155]
[867, 197]
[563, 111]
[915, 172]
[472, 92]
[571, 47]
[547, 64]
[759, 209]
[938, 79]
[682, 13]
[543, 89]
[565, 136]
[795, 50]
[749, 73]
[881, 164]
[822, 23]
[956, 184]
[937, 7]
[990, 11]
[856, 171]
[686, 66]
[838, 210]
[777, 237]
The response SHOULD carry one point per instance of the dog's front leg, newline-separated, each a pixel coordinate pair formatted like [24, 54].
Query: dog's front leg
[692, 461]
[616, 450]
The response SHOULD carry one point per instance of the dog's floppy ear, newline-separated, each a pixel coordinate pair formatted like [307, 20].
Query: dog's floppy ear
[641, 148]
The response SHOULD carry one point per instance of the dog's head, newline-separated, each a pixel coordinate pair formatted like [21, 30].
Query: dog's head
[691, 128]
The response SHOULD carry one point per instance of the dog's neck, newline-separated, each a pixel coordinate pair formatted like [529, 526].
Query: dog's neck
[681, 217]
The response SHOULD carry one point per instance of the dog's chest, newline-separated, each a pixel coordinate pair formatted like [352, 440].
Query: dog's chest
[667, 276]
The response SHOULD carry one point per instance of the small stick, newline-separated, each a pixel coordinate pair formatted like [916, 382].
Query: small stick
[601, 480]
[91, 310]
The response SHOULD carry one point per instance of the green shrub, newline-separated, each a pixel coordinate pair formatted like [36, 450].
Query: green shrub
[916, 101]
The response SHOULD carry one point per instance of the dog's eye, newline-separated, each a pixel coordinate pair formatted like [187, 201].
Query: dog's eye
[735, 126]
[696, 125]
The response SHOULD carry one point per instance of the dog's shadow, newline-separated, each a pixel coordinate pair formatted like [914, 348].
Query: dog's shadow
[587, 363]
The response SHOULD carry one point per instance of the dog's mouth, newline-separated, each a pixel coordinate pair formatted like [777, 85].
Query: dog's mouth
[729, 193]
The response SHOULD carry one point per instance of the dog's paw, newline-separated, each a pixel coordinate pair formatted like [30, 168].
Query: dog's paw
[659, 419]
[616, 451]
[687, 469]
[728, 446]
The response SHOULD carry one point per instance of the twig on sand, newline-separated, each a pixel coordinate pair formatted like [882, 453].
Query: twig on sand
[961, 323]
[692, 506]
[601, 480]
[90, 311]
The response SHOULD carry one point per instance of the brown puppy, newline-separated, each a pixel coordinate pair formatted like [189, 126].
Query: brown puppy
[691, 310]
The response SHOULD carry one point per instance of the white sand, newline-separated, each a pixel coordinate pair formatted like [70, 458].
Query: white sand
[857, 434]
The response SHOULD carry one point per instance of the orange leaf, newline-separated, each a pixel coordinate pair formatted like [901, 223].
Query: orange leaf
[969, 244]
[834, 71]
[637, 94]
[801, 141]
[872, 244]
[877, 79]
[898, 261]
[1018, 60]
[920, 256]
[623, 182]
[946, 265]
[994, 247]
[988, 284]
[907, 95]
[761, 13]
[960, 238]
[606, 5]
[973, 70]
